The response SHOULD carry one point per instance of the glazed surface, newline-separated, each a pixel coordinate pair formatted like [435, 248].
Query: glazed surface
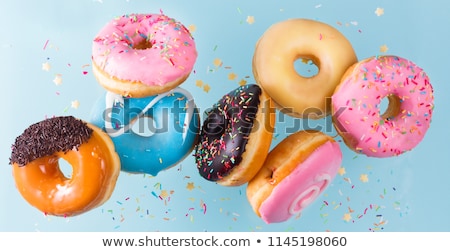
[150, 134]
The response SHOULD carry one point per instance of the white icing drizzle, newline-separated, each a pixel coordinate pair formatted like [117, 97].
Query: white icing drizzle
[113, 98]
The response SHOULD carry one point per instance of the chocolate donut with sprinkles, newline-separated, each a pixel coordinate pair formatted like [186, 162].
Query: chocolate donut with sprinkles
[35, 157]
[236, 136]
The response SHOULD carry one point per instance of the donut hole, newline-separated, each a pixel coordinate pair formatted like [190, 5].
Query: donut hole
[143, 126]
[65, 168]
[306, 67]
[142, 45]
[390, 107]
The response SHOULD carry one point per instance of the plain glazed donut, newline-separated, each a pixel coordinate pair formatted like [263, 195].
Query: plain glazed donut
[142, 55]
[356, 106]
[284, 43]
[95, 166]
[236, 136]
[294, 174]
[150, 134]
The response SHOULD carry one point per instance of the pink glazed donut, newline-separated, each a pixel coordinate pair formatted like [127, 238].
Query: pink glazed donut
[140, 55]
[293, 175]
[357, 115]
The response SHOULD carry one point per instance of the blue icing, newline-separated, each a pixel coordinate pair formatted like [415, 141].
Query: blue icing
[156, 141]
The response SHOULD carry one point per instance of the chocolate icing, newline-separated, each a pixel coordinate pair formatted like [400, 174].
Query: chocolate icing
[48, 137]
[225, 132]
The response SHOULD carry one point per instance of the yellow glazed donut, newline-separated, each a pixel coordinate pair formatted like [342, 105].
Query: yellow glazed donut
[287, 41]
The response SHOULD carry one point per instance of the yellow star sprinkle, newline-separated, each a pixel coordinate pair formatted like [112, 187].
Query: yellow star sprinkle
[232, 76]
[57, 80]
[341, 171]
[242, 82]
[379, 11]
[217, 62]
[199, 83]
[364, 178]
[164, 194]
[347, 217]
[192, 28]
[384, 48]
[75, 104]
[250, 19]
[46, 66]
[190, 186]
[206, 88]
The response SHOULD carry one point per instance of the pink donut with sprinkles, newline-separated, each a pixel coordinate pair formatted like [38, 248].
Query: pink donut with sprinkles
[357, 115]
[141, 55]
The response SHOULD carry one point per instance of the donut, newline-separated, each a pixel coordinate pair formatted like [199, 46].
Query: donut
[140, 55]
[357, 114]
[282, 45]
[236, 136]
[150, 134]
[39, 179]
[294, 174]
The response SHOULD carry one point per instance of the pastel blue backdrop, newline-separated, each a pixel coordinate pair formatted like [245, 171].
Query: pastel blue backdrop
[405, 193]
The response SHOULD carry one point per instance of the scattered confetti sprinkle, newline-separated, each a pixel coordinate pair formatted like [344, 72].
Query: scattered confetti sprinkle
[242, 82]
[75, 104]
[206, 88]
[384, 48]
[379, 11]
[46, 66]
[232, 76]
[190, 186]
[364, 178]
[192, 28]
[250, 19]
[347, 217]
[217, 62]
[45, 45]
[341, 171]
[199, 83]
[58, 79]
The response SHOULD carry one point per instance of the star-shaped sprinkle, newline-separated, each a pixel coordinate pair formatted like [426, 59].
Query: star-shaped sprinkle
[347, 217]
[192, 28]
[384, 48]
[46, 66]
[206, 88]
[164, 194]
[57, 80]
[217, 62]
[379, 11]
[250, 19]
[75, 104]
[232, 76]
[364, 178]
[242, 82]
[341, 171]
[190, 186]
[199, 83]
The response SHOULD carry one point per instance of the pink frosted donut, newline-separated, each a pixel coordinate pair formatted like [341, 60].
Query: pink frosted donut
[294, 174]
[141, 55]
[356, 106]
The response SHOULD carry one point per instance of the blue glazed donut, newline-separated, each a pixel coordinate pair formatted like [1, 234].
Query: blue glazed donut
[150, 134]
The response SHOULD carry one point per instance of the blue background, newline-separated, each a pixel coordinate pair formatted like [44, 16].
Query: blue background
[405, 193]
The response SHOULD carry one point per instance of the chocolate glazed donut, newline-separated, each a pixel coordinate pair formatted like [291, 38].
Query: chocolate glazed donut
[236, 136]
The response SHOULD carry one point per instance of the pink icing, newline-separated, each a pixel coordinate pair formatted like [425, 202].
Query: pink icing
[358, 102]
[300, 188]
[172, 54]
